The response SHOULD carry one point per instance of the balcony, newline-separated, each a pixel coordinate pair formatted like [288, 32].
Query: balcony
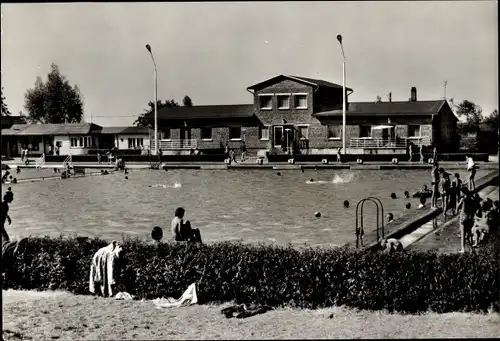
[370, 143]
[176, 144]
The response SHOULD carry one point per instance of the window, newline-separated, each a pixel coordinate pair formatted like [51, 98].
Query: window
[166, 134]
[413, 131]
[264, 133]
[82, 142]
[235, 133]
[365, 131]
[135, 143]
[300, 101]
[206, 133]
[283, 102]
[266, 102]
[334, 131]
[304, 132]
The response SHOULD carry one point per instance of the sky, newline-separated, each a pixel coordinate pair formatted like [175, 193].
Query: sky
[213, 51]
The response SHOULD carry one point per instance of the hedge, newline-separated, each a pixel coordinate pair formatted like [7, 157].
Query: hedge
[278, 276]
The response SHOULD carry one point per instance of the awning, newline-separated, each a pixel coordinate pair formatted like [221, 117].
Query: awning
[382, 127]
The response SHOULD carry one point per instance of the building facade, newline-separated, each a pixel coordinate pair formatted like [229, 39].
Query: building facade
[71, 139]
[305, 115]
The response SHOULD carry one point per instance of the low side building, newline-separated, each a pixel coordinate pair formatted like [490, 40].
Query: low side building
[125, 138]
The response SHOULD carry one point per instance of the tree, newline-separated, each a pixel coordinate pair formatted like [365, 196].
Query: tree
[5, 110]
[378, 100]
[187, 101]
[54, 101]
[471, 112]
[141, 120]
[492, 119]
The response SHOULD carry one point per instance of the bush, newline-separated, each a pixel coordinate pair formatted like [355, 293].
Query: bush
[309, 278]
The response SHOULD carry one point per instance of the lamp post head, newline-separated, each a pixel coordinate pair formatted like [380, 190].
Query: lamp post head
[339, 38]
[148, 47]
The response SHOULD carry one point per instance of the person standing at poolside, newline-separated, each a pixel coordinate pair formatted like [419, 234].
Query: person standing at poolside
[99, 157]
[469, 207]
[445, 190]
[458, 184]
[471, 169]
[339, 153]
[435, 184]
[422, 154]
[435, 154]
[7, 199]
[232, 156]
[410, 151]
[243, 150]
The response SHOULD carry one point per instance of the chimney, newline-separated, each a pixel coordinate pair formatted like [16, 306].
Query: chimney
[413, 97]
[390, 96]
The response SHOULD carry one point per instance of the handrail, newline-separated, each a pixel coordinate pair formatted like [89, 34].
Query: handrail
[40, 162]
[359, 142]
[359, 224]
[68, 161]
[177, 144]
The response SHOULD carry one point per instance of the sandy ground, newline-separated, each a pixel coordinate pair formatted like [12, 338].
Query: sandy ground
[62, 316]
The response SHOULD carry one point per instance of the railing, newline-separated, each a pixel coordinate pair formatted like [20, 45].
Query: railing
[388, 143]
[175, 144]
[40, 162]
[68, 161]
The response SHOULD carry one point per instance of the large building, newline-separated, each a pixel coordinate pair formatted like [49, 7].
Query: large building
[305, 115]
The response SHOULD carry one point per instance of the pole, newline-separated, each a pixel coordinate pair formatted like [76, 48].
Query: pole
[156, 110]
[343, 106]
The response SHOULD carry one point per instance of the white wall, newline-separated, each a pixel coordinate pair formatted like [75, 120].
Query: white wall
[66, 149]
[124, 144]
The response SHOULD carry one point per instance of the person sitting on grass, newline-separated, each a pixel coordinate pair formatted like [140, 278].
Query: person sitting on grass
[391, 245]
[182, 230]
[7, 199]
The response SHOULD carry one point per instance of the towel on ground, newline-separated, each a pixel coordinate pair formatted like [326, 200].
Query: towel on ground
[124, 296]
[242, 310]
[103, 269]
[189, 297]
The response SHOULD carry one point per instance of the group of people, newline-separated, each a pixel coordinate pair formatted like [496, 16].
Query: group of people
[230, 154]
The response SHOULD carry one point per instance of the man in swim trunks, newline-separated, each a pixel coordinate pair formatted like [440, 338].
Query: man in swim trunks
[471, 169]
[469, 207]
[435, 184]
[182, 231]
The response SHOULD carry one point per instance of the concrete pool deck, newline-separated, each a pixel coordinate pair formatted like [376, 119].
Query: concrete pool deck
[414, 219]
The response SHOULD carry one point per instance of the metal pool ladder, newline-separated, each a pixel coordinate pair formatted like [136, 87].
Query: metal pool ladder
[359, 219]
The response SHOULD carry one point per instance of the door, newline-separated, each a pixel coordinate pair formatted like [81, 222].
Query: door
[278, 135]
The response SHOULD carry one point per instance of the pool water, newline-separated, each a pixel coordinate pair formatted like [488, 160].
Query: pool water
[246, 205]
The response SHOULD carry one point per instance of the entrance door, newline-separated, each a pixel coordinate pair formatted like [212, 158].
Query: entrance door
[385, 135]
[278, 135]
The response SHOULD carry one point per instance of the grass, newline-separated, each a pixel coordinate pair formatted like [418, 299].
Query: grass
[62, 316]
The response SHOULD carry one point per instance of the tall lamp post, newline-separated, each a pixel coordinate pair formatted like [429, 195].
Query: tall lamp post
[339, 38]
[148, 47]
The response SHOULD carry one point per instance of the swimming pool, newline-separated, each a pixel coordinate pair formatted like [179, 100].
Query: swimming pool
[246, 205]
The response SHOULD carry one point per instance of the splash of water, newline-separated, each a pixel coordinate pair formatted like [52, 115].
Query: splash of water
[177, 185]
[337, 179]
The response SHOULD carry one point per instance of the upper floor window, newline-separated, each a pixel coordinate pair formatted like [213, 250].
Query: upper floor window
[365, 131]
[304, 132]
[413, 131]
[283, 101]
[264, 133]
[334, 131]
[266, 102]
[206, 133]
[235, 133]
[300, 101]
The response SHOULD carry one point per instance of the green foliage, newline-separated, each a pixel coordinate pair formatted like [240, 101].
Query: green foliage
[309, 278]
[54, 101]
[5, 110]
[145, 119]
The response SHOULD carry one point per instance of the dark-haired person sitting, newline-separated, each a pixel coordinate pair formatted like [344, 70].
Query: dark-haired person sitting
[391, 245]
[182, 230]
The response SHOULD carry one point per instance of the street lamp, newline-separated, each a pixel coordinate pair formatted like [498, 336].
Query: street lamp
[148, 47]
[339, 38]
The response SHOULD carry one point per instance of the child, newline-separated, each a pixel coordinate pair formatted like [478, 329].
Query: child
[181, 230]
[471, 169]
[458, 184]
[422, 203]
[7, 199]
[467, 215]
[338, 155]
[435, 184]
[452, 198]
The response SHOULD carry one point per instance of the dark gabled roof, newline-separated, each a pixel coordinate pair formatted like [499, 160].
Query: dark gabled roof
[53, 129]
[125, 130]
[304, 80]
[388, 108]
[204, 112]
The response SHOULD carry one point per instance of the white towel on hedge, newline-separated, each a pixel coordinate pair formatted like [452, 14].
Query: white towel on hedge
[102, 269]
[189, 297]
